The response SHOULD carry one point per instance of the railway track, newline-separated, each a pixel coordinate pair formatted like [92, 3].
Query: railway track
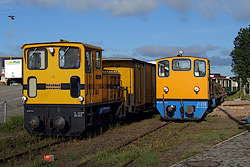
[124, 144]
[34, 148]
[130, 162]
[129, 141]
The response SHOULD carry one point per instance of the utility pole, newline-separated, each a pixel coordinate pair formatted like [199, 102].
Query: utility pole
[12, 18]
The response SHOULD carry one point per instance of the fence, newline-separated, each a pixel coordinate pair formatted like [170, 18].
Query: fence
[7, 109]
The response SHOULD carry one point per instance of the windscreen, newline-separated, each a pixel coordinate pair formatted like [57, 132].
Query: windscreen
[181, 64]
[69, 58]
[37, 59]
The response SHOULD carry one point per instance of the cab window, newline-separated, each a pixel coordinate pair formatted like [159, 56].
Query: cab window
[37, 58]
[199, 68]
[88, 61]
[181, 64]
[69, 58]
[163, 68]
[98, 60]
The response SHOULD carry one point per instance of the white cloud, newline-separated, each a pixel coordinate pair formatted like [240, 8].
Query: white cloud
[83, 5]
[212, 47]
[208, 9]
[117, 8]
[180, 5]
[220, 61]
[225, 52]
[130, 7]
[167, 51]
[156, 52]
[39, 3]
[239, 9]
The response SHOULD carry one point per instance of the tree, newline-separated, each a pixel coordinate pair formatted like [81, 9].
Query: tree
[241, 55]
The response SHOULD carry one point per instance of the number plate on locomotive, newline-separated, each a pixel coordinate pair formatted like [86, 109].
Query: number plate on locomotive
[78, 114]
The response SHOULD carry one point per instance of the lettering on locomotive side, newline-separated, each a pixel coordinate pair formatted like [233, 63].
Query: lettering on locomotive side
[29, 111]
[53, 86]
[78, 114]
[201, 105]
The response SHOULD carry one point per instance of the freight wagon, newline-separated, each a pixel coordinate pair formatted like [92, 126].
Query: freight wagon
[138, 81]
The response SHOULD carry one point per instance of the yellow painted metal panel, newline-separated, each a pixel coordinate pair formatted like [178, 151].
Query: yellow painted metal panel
[181, 84]
[126, 71]
[94, 81]
[54, 75]
[137, 76]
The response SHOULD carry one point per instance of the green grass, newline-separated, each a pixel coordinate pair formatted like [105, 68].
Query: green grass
[13, 124]
[150, 158]
[112, 157]
[207, 136]
[237, 95]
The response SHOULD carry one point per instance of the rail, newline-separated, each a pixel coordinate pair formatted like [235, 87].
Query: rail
[129, 142]
[36, 148]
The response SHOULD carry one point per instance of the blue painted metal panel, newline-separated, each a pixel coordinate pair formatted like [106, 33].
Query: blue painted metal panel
[200, 108]
[248, 120]
[104, 110]
[214, 103]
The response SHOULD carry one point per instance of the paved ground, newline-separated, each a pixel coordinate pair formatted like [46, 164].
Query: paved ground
[232, 153]
[12, 95]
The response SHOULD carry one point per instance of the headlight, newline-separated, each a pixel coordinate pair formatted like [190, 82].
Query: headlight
[196, 89]
[24, 98]
[51, 50]
[166, 89]
[80, 98]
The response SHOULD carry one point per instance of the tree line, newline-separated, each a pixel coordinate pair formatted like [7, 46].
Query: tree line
[241, 55]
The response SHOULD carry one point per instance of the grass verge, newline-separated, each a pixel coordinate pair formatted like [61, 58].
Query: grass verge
[238, 95]
[13, 124]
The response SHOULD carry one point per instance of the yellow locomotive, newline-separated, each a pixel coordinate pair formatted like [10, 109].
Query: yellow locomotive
[66, 89]
[184, 90]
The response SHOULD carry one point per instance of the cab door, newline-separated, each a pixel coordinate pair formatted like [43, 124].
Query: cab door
[89, 76]
[97, 76]
[93, 68]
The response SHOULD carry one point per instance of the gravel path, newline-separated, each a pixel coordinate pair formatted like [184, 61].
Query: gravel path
[232, 153]
[233, 108]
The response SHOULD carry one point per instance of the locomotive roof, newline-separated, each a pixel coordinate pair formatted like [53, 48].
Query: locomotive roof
[124, 59]
[56, 43]
[182, 57]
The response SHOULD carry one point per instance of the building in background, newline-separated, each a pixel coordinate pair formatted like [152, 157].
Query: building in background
[11, 70]
[230, 84]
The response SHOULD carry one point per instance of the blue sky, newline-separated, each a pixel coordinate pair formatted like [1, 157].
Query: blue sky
[141, 29]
